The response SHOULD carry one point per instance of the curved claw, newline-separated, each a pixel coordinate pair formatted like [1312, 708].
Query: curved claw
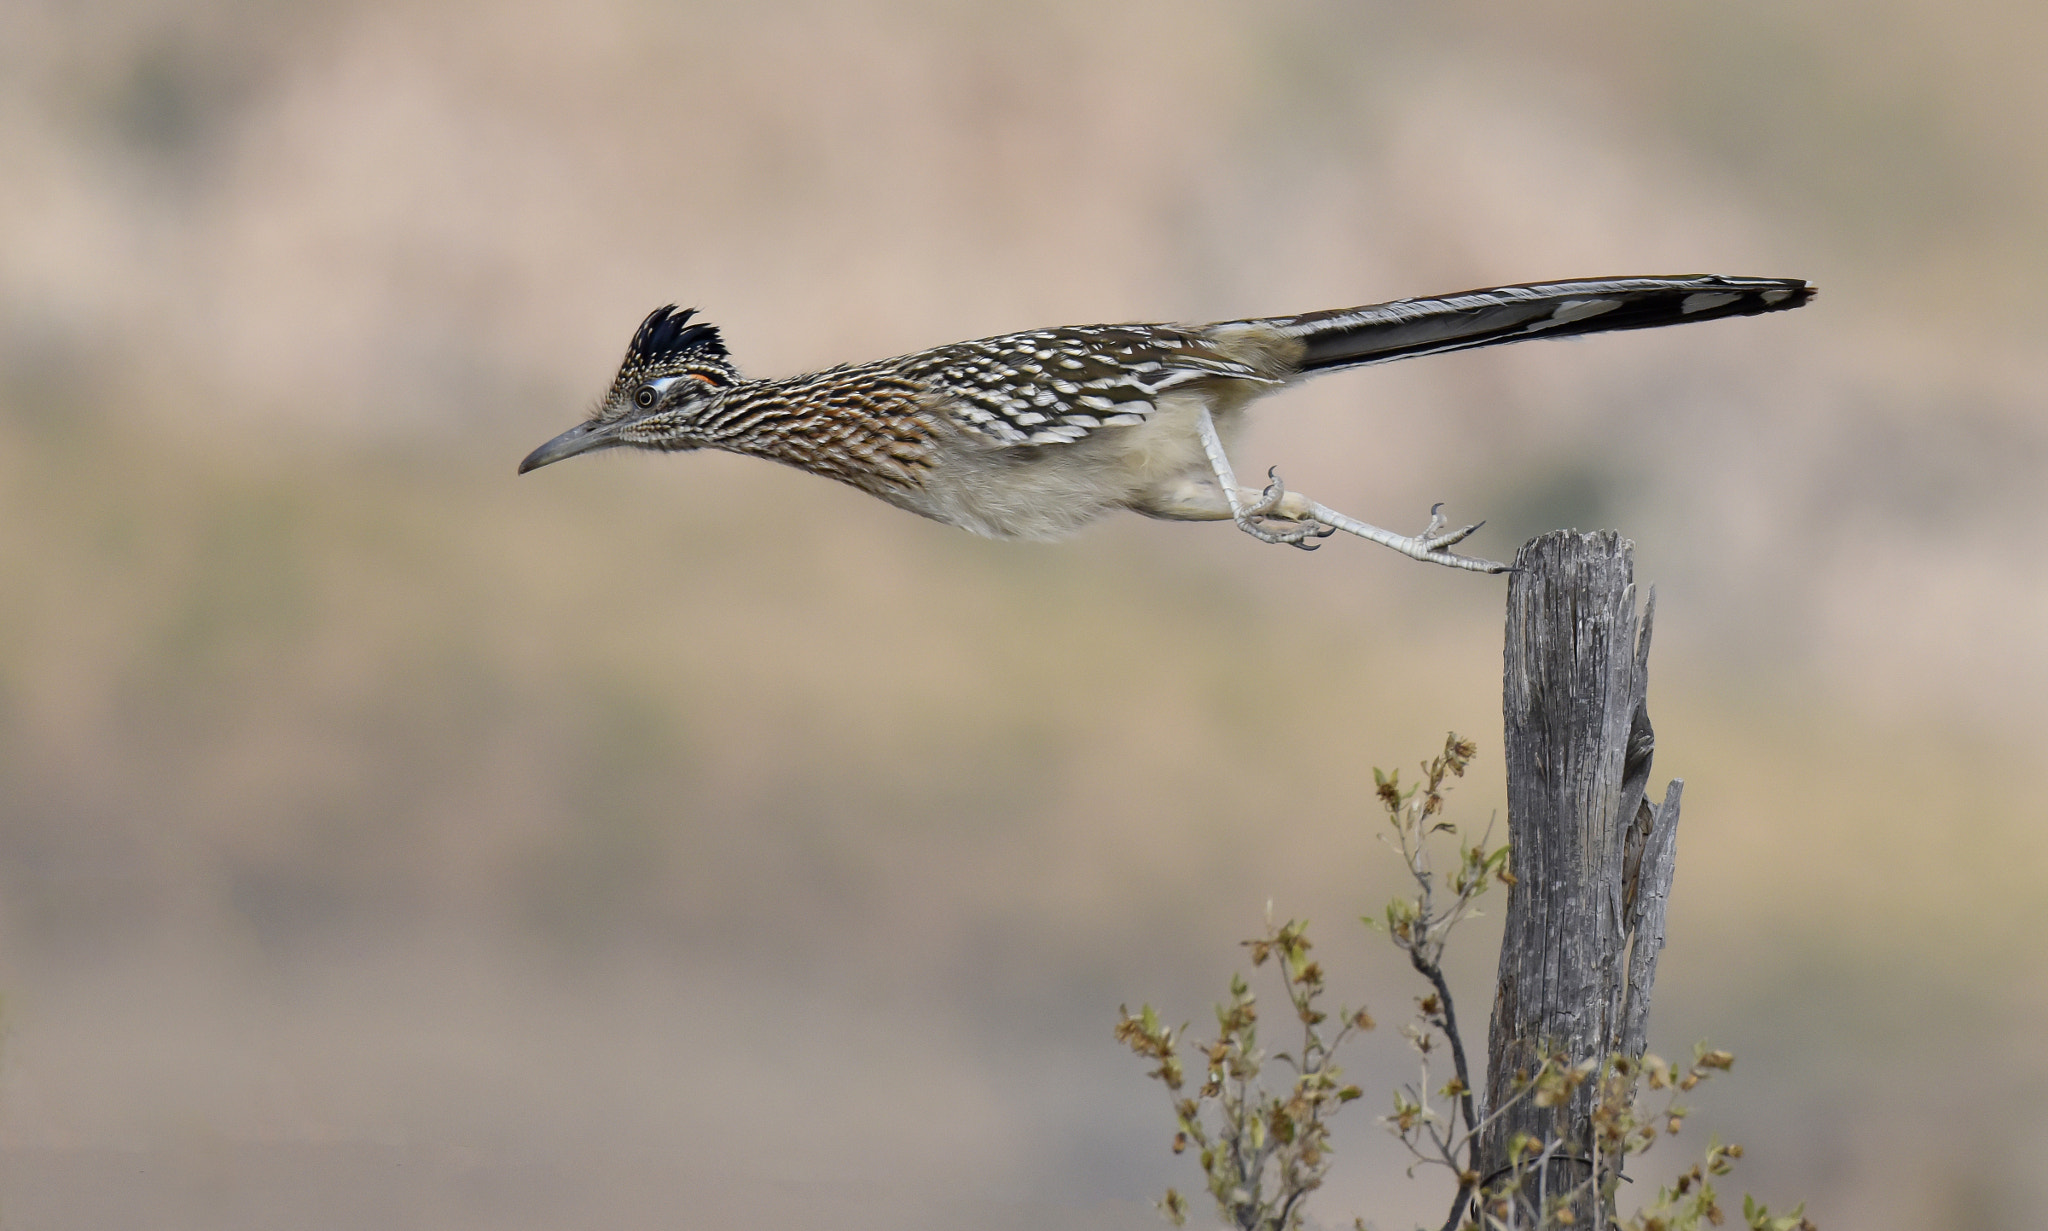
[1446, 540]
[1270, 499]
[1305, 531]
[1437, 522]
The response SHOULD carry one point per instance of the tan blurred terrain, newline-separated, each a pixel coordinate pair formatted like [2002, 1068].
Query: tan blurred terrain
[386, 841]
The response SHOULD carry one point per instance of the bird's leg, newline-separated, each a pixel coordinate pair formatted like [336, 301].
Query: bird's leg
[1312, 520]
[1432, 544]
[1248, 514]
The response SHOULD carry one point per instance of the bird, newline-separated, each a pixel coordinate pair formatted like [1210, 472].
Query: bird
[1033, 435]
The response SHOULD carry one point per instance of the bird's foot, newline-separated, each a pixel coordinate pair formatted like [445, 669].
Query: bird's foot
[1258, 520]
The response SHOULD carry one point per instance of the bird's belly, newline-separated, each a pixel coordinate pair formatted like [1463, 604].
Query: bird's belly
[1050, 491]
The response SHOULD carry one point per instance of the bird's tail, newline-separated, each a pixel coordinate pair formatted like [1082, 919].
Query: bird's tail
[1352, 337]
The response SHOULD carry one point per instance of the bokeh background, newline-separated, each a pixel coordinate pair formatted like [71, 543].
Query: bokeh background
[388, 841]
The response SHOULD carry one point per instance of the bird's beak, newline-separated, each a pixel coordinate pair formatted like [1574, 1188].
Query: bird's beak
[583, 438]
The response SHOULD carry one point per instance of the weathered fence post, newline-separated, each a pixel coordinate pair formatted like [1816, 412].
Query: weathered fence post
[1592, 856]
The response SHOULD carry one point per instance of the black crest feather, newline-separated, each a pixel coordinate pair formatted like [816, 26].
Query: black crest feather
[667, 335]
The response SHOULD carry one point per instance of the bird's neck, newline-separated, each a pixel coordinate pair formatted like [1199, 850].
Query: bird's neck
[873, 433]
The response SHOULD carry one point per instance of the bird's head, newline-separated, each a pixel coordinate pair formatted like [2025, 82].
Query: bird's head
[673, 375]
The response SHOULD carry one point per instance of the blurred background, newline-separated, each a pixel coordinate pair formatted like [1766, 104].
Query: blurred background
[388, 841]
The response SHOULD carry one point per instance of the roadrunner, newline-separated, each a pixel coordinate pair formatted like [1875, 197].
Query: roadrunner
[1033, 435]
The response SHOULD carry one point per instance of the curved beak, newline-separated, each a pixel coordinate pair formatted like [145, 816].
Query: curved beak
[583, 438]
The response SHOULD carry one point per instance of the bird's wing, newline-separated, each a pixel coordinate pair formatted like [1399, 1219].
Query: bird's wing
[1054, 386]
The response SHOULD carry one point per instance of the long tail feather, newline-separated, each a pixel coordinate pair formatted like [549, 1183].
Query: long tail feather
[1350, 337]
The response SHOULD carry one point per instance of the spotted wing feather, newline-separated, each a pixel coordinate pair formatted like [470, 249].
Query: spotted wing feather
[1054, 386]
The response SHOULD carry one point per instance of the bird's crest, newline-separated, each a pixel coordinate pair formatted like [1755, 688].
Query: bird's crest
[668, 339]
[666, 345]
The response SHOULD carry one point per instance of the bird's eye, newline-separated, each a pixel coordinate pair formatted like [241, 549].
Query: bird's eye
[644, 397]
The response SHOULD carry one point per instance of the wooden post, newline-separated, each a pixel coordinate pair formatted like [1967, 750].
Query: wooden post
[1592, 856]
